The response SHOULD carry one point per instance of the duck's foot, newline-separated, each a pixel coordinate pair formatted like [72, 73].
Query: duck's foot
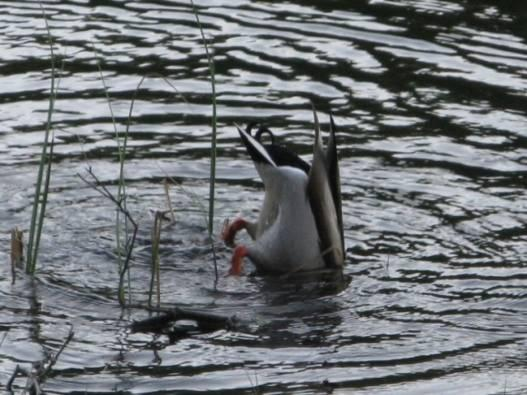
[240, 252]
[230, 229]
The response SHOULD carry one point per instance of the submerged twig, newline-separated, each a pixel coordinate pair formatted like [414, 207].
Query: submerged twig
[99, 187]
[30, 382]
[40, 370]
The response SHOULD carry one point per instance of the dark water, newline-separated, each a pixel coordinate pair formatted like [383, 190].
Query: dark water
[430, 99]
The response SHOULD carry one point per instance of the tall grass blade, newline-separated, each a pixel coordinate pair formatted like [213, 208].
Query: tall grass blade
[212, 73]
[40, 199]
[155, 274]
[212, 175]
[43, 200]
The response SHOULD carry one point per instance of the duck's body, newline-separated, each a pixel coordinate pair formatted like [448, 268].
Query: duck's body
[286, 238]
[299, 227]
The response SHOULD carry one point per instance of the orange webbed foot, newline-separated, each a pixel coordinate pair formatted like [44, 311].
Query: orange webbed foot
[230, 229]
[240, 252]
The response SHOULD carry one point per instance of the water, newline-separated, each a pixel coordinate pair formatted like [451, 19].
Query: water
[430, 101]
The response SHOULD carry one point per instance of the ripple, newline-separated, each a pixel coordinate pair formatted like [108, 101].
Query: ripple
[428, 99]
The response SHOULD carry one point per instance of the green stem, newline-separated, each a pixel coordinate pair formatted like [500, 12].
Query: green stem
[39, 202]
[212, 179]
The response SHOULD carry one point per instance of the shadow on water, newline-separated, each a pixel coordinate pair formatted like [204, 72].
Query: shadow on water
[301, 287]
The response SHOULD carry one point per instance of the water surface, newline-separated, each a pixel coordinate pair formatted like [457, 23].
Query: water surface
[429, 97]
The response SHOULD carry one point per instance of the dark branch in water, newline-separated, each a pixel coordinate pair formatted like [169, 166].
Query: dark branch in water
[99, 187]
[206, 322]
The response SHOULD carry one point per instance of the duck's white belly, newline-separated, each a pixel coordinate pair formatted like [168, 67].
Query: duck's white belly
[290, 244]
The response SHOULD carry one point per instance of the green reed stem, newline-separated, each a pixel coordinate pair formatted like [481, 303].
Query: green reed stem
[41, 191]
[122, 144]
[44, 200]
[212, 176]
[155, 274]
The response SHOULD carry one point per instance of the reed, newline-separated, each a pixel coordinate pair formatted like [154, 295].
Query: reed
[121, 196]
[121, 190]
[17, 251]
[212, 175]
[155, 279]
[44, 169]
[98, 186]
[121, 142]
[124, 269]
[123, 242]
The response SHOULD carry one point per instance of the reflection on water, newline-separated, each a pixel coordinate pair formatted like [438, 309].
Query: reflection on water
[429, 97]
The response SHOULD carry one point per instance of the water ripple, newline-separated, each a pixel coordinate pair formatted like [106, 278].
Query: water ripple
[428, 98]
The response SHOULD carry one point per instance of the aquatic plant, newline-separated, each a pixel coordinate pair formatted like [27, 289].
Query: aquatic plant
[212, 174]
[44, 170]
[212, 73]
[124, 247]
[130, 241]
[17, 251]
[155, 278]
[121, 189]
[122, 240]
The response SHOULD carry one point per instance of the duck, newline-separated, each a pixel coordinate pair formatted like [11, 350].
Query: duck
[299, 227]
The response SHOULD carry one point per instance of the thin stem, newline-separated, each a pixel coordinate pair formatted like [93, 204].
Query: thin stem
[155, 275]
[196, 199]
[44, 201]
[38, 211]
[121, 191]
[210, 61]
[212, 175]
[96, 185]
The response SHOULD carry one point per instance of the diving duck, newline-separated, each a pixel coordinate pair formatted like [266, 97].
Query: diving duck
[300, 224]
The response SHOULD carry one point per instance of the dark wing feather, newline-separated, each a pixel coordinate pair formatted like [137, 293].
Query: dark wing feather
[332, 166]
[322, 203]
